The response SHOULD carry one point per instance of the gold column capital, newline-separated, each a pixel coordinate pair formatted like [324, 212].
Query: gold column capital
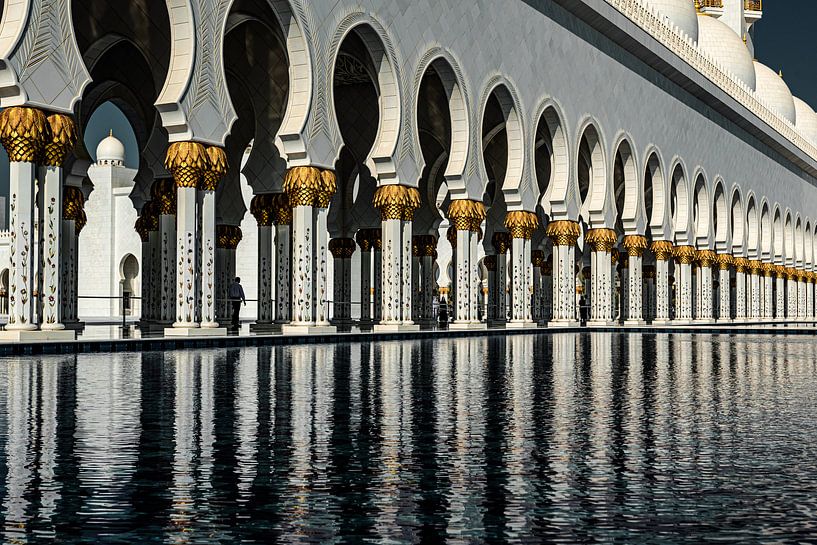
[724, 261]
[466, 215]
[23, 133]
[364, 240]
[228, 236]
[601, 240]
[60, 140]
[685, 254]
[326, 190]
[302, 185]
[537, 258]
[281, 210]
[521, 223]
[262, 210]
[635, 245]
[342, 247]
[706, 258]
[563, 232]
[501, 241]
[215, 170]
[663, 250]
[396, 202]
[490, 262]
[186, 162]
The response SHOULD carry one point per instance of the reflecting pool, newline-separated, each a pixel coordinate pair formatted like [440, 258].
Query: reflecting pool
[593, 437]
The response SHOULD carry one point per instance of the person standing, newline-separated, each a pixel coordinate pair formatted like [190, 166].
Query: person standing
[236, 297]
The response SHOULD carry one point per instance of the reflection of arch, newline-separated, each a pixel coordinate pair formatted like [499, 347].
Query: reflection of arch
[128, 271]
[720, 217]
[738, 223]
[752, 225]
[766, 233]
[447, 71]
[627, 205]
[379, 161]
[508, 105]
[655, 200]
[590, 151]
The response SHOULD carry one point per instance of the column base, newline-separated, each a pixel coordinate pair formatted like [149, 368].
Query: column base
[723, 321]
[392, 328]
[469, 326]
[26, 335]
[265, 327]
[297, 329]
[52, 327]
[195, 331]
[520, 325]
[703, 321]
[499, 324]
[601, 323]
[563, 323]
[635, 322]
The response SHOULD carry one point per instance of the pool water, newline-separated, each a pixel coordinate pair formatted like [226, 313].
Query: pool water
[570, 438]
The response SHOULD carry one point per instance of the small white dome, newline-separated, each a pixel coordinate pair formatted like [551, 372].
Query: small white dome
[772, 90]
[679, 12]
[806, 120]
[110, 151]
[722, 45]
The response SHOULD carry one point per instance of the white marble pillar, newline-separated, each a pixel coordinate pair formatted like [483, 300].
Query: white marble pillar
[547, 291]
[685, 256]
[391, 278]
[377, 283]
[68, 245]
[50, 225]
[502, 243]
[144, 271]
[474, 285]
[810, 298]
[635, 246]
[754, 282]
[601, 287]
[208, 294]
[222, 314]
[463, 283]
[725, 310]
[303, 269]
[706, 259]
[364, 240]
[21, 245]
[407, 270]
[321, 261]
[265, 308]
[342, 250]
[740, 289]
[801, 297]
[791, 296]
[663, 250]
[490, 265]
[768, 291]
[167, 241]
[518, 282]
[187, 260]
[537, 260]
[563, 234]
[780, 293]
[283, 280]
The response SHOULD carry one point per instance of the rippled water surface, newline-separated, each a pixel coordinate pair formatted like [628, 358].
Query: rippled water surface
[565, 438]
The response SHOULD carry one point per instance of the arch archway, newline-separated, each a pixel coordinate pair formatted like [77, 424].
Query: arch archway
[738, 224]
[720, 217]
[766, 232]
[592, 177]
[753, 228]
[779, 250]
[552, 166]
[702, 213]
[626, 190]
[655, 199]
[128, 288]
[679, 207]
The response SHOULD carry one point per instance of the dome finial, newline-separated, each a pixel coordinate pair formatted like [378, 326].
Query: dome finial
[110, 132]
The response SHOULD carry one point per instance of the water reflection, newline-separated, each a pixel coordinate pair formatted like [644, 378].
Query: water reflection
[565, 437]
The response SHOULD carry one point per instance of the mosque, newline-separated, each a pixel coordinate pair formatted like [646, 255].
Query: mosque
[368, 163]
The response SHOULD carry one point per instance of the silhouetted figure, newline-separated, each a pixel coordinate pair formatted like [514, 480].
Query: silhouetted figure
[236, 297]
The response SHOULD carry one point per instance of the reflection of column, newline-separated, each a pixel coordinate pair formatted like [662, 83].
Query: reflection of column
[724, 261]
[502, 243]
[207, 195]
[635, 246]
[780, 292]
[685, 255]
[19, 404]
[364, 240]
[186, 161]
[466, 217]
[282, 212]
[705, 258]
[22, 133]
[663, 251]
[246, 408]
[601, 298]
[563, 234]
[59, 143]
[521, 225]
[261, 209]
[183, 488]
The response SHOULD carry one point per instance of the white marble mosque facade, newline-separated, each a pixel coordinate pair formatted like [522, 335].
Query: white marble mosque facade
[632, 152]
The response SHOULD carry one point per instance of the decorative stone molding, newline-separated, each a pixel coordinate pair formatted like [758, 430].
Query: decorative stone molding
[635, 245]
[741, 264]
[755, 266]
[563, 232]
[521, 224]
[601, 240]
[706, 258]
[768, 270]
[466, 215]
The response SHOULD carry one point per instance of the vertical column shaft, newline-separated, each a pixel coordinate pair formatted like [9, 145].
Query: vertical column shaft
[563, 234]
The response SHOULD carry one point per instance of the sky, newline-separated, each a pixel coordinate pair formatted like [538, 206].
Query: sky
[783, 41]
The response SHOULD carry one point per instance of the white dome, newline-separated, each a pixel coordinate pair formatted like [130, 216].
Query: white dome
[679, 12]
[110, 150]
[772, 90]
[722, 45]
[806, 120]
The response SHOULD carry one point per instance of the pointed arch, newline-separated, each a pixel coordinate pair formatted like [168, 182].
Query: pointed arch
[702, 211]
[720, 216]
[738, 223]
[766, 231]
[594, 186]
[680, 204]
[655, 196]
[558, 199]
[626, 186]
[753, 227]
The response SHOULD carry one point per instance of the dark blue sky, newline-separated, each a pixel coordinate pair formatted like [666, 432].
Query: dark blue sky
[784, 40]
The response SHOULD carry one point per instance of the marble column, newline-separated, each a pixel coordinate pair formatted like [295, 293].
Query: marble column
[810, 296]
[396, 204]
[282, 218]
[767, 311]
[466, 217]
[635, 246]
[451, 291]
[212, 175]
[791, 295]
[262, 210]
[364, 240]
[309, 191]
[521, 225]
[72, 221]
[342, 250]
[801, 296]
[547, 290]
[186, 161]
[685, 257]
[564, 234]
[663, 251]
[755, 267]
[23, 132]
[649, 293]
[724, 262]
[537, 260]
[377, 281]
[427, 246]
[601, 297]
[780, 292]
[227, 239]
[741, 266]
[705, 259]
[164, 193]
[144, 273]
[501, 242]
[151, 212]
[490, 266]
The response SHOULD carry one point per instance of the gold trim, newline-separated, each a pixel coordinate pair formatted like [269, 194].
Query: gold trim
[635, 245]
[563, 232]
[663, 250]
[685, 255]
[601, 240]
[521, 224]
